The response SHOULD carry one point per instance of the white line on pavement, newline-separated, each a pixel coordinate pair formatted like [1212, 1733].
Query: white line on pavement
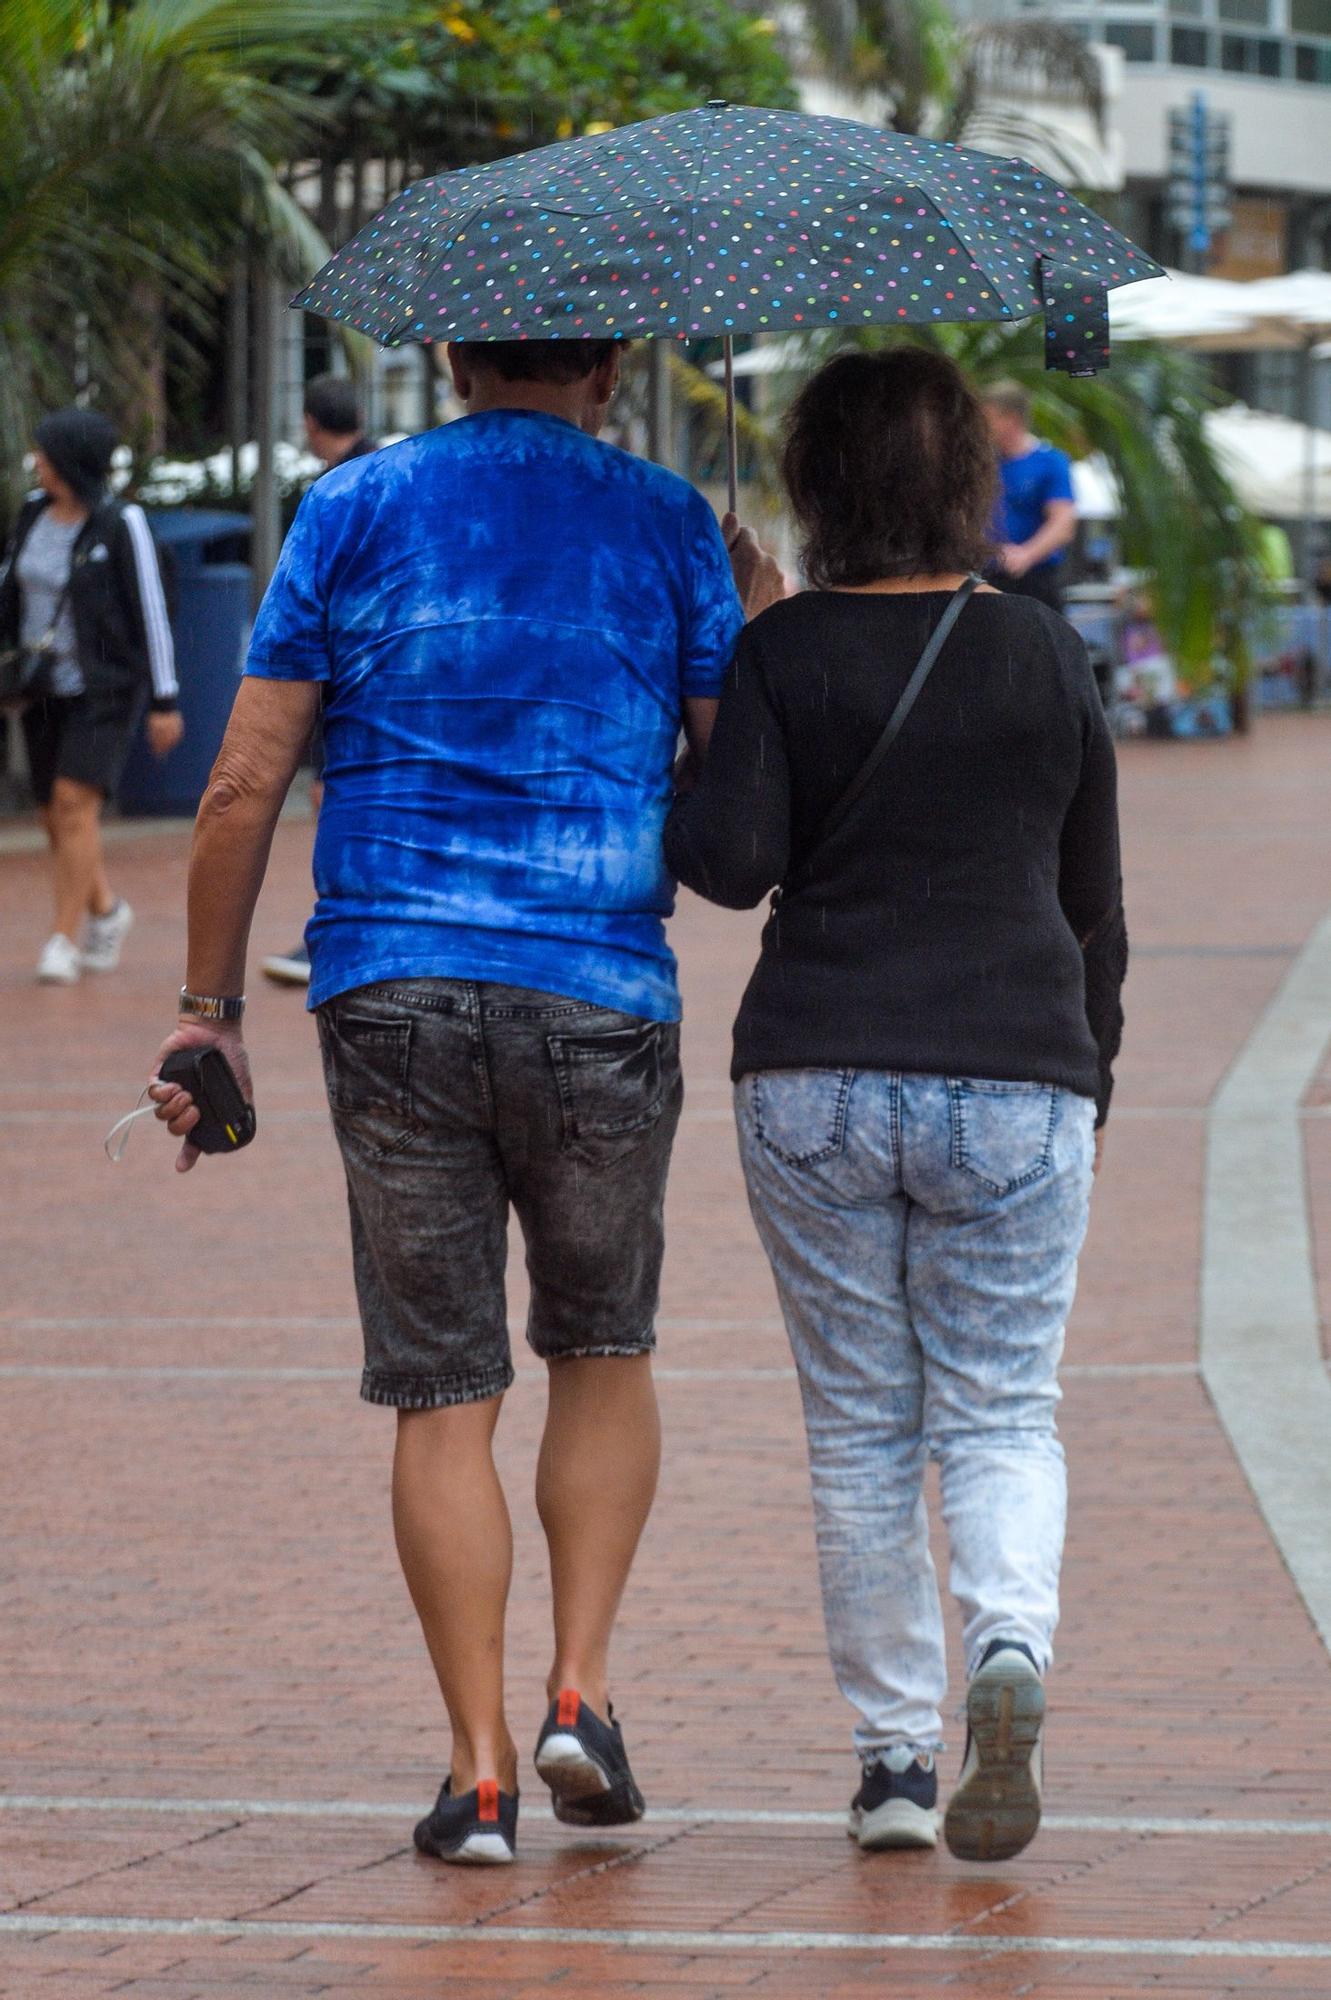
[331, 1322]
[152, 1371]
[1261, 1347]
[964, 1944]
[683, 1815]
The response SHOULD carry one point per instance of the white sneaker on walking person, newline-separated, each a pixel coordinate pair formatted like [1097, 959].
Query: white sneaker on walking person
[995, 1811]
[60, 963]
[104, 936]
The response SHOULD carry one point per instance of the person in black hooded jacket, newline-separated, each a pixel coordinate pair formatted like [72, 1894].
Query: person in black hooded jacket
[81, 577]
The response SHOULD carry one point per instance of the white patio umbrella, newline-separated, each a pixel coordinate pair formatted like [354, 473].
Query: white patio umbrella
[1280, 469]
[1189, 310]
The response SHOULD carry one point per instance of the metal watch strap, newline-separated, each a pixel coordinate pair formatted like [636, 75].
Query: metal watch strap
[212, 1006]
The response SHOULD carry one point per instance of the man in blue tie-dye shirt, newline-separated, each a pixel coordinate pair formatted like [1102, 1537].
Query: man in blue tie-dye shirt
[509, 622]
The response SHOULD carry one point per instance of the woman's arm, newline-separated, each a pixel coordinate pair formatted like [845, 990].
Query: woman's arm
[729, 839]
[1090, 889]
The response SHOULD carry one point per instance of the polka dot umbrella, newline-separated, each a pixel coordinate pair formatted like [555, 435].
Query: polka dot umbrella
[729, 220]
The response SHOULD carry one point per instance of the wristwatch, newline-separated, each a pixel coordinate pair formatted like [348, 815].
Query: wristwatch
[212, 1006]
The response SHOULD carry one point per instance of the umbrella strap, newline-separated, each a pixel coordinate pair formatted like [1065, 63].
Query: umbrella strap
[1076, 320]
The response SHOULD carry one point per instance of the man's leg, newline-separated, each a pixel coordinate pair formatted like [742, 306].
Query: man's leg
[588, 1101]
[455, 1543]
[595, 1482]
[428, 1211]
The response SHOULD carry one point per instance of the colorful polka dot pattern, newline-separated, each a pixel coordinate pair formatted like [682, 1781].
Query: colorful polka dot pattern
[1076, 321]
[723, 220]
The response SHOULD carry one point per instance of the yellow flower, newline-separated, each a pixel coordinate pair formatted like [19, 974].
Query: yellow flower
[598, 125]
[564, 129]
[459, 28]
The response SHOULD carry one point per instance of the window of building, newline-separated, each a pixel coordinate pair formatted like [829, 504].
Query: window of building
[1191, 8]
[1311, 64]
[1250, 13]
[1135, 38]
[1188, 47]
[1252, 55]
[1310, 17]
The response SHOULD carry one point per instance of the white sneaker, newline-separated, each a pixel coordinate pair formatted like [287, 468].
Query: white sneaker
[60, 963]
[103, 937]
[995, 1810]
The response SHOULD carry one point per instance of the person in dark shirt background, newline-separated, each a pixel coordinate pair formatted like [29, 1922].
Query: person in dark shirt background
[1037, 514]
[921, 1060]
[334, 424]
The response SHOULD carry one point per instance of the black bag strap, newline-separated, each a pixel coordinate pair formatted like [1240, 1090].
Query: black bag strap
[868, 770]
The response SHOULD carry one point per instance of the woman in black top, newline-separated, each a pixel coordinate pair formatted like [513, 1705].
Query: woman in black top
[921, 1059]
[80, 582]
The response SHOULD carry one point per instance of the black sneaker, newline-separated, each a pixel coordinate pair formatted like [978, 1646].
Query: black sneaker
[897, 1802]
[480, 1829]
[583, 1761]
[995, 1810]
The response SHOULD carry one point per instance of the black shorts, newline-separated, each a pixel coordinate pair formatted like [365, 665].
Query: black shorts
[455, 1102]
[1045, 584]
[83, 737]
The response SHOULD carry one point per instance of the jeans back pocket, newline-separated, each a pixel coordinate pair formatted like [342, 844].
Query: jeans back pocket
[612, 1086]
[367, 1068]
[1002, 1133]
[799, 1114]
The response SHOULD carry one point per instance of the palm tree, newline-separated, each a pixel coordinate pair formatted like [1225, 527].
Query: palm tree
[137, 151]
[956, 82]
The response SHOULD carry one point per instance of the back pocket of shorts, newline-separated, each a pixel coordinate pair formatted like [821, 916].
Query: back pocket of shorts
[611, 1089]
[1002, 1133]
[367, 1070]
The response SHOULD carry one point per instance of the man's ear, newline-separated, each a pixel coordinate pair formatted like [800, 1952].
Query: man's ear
[605, 376]
[459, 369]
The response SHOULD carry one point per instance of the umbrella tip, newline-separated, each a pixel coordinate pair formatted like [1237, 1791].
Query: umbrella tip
[717, 104]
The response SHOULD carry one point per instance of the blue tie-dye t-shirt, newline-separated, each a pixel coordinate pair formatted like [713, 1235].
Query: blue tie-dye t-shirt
[507, 616]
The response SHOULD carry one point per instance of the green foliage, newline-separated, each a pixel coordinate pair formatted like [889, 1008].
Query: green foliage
[473, 79]
[136, 162]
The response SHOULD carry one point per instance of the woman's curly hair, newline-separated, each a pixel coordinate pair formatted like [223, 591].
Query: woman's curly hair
[890, 469]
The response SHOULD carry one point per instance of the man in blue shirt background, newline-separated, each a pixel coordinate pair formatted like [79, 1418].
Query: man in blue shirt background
[1037, 514]
[508, 622]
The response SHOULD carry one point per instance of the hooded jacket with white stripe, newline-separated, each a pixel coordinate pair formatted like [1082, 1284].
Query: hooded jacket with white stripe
[122, 631]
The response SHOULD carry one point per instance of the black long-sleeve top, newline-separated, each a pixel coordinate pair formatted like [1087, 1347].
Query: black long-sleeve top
[967, 917]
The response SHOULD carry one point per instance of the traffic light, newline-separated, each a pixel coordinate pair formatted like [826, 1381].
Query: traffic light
[1198, 195]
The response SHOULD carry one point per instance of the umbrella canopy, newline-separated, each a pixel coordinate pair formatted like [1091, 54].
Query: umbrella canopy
[1187, 310]
[724, 221]
[1266, 457]
[1279, 468]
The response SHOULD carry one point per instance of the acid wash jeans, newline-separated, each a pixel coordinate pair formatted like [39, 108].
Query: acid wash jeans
[924, 1232]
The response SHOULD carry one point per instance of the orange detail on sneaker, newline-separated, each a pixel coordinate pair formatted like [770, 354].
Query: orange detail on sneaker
[570, 1701]
[487, 1800]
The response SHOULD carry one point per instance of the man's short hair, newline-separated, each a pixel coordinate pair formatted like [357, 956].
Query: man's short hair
[1009, 397]
[560, 361]
[332, 403]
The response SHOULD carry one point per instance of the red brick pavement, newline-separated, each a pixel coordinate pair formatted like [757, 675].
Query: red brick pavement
[201, 1604]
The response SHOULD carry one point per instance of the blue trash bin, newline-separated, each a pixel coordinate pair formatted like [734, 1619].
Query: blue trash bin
[210, 620]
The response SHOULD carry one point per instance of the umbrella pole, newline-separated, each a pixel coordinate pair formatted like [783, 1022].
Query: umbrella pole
[732, 442]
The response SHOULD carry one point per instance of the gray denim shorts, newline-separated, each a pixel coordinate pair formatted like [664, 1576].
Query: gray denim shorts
[453, 1100]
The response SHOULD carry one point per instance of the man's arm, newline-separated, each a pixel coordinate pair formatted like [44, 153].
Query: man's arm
[265, 738]
[1058, 529]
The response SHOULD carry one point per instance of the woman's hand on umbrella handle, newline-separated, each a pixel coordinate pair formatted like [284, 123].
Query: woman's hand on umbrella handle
[759, 577]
